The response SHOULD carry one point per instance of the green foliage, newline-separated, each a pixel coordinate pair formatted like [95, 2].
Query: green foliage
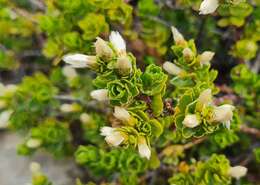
[234, 14]
[65, 20]
[257, 154]
[154, 124]
[246, 84]
[31, 100]
[123, 161]
[213, 171]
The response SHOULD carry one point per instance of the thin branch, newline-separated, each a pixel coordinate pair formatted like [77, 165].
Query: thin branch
[194, 142]
[25, 14]
[248, 130]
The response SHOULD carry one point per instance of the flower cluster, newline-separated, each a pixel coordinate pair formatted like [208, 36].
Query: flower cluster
[195, 113]
[121, 83]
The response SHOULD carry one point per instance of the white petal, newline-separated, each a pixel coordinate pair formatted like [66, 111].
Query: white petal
[144, 150]
[4, 118]
[115, 138]
[121, 113]
[171, 68]
[106, 131]
[237, 171]
[205, 96]
[227, 124]
[223, 113]
[117, 41]
[206, 57]
[177, 36]
[208, 6]
[191, 121]
[100, 94]
[79, 60]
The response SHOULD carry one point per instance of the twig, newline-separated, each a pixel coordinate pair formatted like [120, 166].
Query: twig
[248, 130]
[25, 14]
[195, 142]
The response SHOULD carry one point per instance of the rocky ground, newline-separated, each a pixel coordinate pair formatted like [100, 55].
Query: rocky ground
[14, 169]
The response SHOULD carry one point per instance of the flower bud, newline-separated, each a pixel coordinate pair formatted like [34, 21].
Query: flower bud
[143, 148]
[206, 57]
[205, 97]
[33, 143]
[191, 121]
[113, 137]
[4, 118]
[69, 72]
[80, 60]
[237, 171]
[100, 94]
[177, 36]
[223, 113]
[118, 42]
[188, 54]
[124, 65]
[171, 68]
[121, 114]
[103, 49]
[85, 118]
[208, 6]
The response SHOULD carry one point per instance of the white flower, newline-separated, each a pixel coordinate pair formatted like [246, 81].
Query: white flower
[79, 60]
[102, 48]
[69, 107]
[177, 36]
[171, 68]
[69, 72]
[208, 6]
[112, 136]
[33, 143]
[124, 64]
[100, 94]
[237, 171]
[143, 148]
[205, 96]
[35, 167]
[4, 118]
[187, 53]
[7, 89]
[117, 41]
[223, 113]
[105, 131]
[205, 57]
[191, 121]
[85, 118]
[121, 113]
